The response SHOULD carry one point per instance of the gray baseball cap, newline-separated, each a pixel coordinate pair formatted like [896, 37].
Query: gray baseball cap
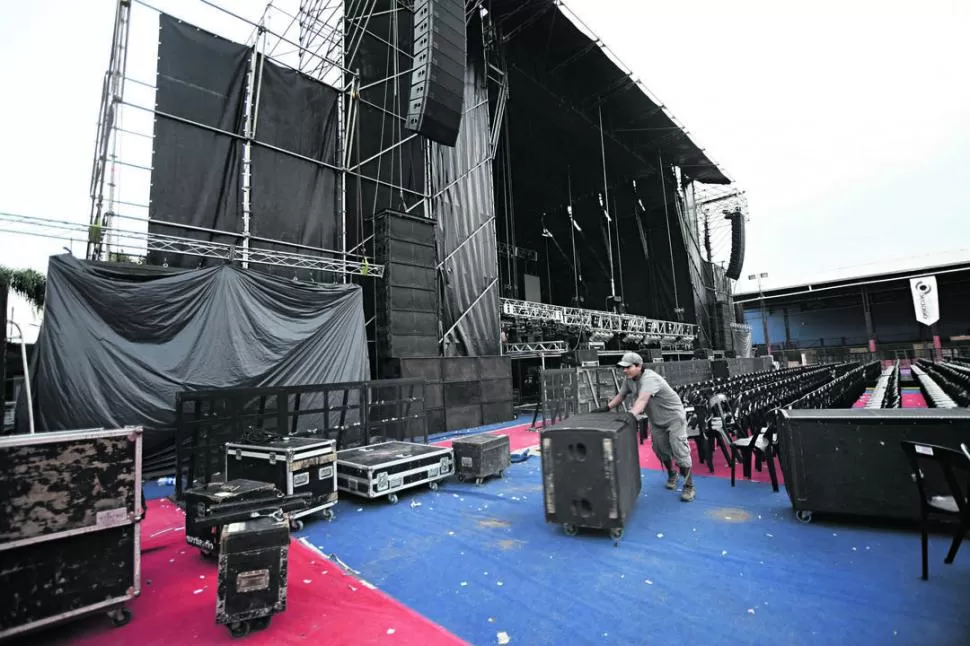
[630, 359]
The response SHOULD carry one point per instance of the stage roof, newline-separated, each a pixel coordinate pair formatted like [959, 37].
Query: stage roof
[900, 271]
[577, 66]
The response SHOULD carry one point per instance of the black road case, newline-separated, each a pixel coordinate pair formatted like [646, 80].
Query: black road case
[295, 465]
[590, 472]
[219, 498]
[384, 469]
[253, 558]
[850, 462]
[70, 533]
[480, 456]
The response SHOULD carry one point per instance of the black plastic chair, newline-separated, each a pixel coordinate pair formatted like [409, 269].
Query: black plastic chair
[947, 499]
[762, 446]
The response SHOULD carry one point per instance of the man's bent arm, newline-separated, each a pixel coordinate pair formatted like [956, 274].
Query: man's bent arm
[640, 404]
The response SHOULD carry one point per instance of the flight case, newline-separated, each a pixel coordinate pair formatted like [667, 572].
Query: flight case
[218, 498]
[70, 533]
[294, 464]
[480, 456]
[253, 558]
[386, 468]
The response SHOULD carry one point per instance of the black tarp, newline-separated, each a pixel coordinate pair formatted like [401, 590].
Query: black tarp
[463, 204]
[293, 199]
[118, 341]
[196, 172]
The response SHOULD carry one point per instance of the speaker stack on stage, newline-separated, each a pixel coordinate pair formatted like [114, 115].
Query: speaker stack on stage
[407, 296]
[461, 392]
[438, 78]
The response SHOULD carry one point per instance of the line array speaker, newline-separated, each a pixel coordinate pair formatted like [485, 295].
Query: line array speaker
[407, 295]
[737, 246]
[438, 77]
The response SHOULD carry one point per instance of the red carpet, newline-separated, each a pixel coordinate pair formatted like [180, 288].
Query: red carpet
[520, 437]
[178, 601]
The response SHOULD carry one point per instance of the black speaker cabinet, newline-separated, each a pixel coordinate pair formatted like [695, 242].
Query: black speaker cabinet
[737, 246]
[407, 295]
[719, 369]
[438, 79]
[591, 472]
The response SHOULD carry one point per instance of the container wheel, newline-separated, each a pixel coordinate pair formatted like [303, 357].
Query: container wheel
[571, 530]
[239, 629]
[120, 617]
[803, 515]
[616, 533]
[392, 498]
[433, 486]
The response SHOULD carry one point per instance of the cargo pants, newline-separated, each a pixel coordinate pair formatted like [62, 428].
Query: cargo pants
[670, 444]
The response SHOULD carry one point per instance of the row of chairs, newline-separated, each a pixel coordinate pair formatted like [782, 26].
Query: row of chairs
[886, 393]
[741, 421]
[953, 378]
[934, 395]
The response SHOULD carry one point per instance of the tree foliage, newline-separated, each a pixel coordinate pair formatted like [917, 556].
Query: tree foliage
[28, 283]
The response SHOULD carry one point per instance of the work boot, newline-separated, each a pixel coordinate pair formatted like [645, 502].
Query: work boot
[671, 475]
[689, 493]
[671, 480]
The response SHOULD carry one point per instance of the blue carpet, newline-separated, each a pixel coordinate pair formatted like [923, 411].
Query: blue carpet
[733, 567]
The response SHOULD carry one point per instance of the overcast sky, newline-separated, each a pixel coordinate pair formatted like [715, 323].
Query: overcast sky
[847, 123]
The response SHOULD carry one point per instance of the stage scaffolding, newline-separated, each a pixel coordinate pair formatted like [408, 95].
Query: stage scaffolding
[320, 39]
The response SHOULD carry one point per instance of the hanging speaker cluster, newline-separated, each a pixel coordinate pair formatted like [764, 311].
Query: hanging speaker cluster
[438, 76]
[734, 267]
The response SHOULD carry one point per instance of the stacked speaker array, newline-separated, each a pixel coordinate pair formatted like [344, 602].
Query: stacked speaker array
[462, 392]
[438, 78]
[407, 296]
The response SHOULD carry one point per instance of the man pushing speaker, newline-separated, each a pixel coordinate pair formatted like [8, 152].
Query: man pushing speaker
[660, 404]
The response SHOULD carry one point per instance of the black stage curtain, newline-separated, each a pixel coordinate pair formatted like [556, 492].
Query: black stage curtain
[195, 171]
[293, 199]
[464, 208]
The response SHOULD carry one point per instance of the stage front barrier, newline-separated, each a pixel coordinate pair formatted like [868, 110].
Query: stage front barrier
[559, 392]
[462, 392]
[566, 391]
[850, 462]
[352, 414]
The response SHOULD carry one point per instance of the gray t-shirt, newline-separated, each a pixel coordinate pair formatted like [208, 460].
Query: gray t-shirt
[664, 407]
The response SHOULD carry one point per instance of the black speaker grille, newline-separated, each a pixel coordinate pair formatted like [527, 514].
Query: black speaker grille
[407, 296]
[737, 247]
[438, 79]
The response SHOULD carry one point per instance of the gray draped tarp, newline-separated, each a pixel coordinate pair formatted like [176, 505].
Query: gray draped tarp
[120, 341]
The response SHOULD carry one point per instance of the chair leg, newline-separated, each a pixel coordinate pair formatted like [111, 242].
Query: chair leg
[747, 454]
[770, 459]
[733, 460]
[924, 543]
[724, 449]
[955, 545]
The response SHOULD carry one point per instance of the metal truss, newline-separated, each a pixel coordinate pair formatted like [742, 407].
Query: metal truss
[635, 328]
[535, 348]
[353, 265]
[518, 252]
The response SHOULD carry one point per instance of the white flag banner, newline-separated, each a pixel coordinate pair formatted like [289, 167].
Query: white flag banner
[926, 299]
